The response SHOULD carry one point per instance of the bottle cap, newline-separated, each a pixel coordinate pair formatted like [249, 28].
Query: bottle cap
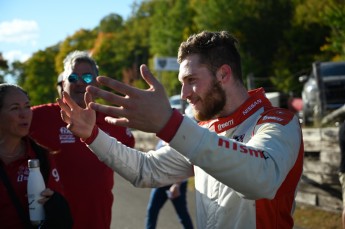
[33, 163]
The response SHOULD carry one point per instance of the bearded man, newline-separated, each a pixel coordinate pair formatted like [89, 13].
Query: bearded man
[245, 154]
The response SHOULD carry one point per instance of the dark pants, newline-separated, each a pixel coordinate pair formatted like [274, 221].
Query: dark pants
[341, 135]
[158, 198]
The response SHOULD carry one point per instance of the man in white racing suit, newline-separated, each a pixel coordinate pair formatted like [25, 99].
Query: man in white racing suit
[246, 156]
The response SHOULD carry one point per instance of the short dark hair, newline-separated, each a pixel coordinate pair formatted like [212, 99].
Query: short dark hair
[214, 50]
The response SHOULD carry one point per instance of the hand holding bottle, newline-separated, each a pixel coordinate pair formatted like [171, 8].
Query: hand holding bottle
[45, 194]
[35, 187]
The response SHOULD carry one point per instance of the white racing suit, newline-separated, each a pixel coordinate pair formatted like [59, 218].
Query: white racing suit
[246, 166]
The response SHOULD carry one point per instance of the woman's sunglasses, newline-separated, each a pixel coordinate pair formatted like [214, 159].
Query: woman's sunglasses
[87, 78]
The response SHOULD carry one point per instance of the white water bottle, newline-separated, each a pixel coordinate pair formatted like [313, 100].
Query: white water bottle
[35, 186]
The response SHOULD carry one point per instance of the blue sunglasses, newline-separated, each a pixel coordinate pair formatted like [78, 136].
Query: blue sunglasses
[87, 78]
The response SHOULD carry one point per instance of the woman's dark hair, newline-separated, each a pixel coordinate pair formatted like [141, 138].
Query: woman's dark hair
[5, 87]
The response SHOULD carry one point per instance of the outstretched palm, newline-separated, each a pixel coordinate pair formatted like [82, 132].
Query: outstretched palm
[80, 121]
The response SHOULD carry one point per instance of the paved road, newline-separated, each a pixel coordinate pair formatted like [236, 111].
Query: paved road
[130, 203]
[129, 208]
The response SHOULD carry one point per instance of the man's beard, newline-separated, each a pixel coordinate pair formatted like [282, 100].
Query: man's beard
[213, 103]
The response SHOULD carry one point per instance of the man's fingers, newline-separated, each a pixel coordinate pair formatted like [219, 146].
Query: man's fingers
[87, 98]
[117, 121]
[65, 117]
[106, 95]
[132, 106]
[64, 107]
[65, 111]
[109, 110]
[126, 89]
[155, 85]
[67, 98]
[117, 86]
[148, 77]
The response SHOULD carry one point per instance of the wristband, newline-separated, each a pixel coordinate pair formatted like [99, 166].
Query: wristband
[170, 129]
[92, 137]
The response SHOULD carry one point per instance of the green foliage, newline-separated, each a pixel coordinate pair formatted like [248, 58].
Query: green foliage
[3, 68]
[140, 84]
[278, 41]
[17, 72]
[171, 83]
[40, 77]
[81, 40]
[170, 20]
[283, 80]
[110, 23]
[329, 16]
[259, 26]
[107, 47]
[334, 17]
[105, 54]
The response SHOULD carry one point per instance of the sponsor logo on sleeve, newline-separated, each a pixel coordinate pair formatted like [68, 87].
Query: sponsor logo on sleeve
[240, 148]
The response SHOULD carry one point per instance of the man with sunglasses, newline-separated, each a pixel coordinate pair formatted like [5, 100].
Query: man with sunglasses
[87, 182]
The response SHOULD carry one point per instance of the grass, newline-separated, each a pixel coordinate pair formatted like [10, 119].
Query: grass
[310, 217]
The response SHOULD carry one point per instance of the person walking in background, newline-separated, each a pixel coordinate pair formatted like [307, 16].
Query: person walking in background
[177, 193]
[341, 135]
[16, 148]
[245, 154]
[87, 182]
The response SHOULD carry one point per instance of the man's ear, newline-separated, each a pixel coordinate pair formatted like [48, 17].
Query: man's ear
[224, 73]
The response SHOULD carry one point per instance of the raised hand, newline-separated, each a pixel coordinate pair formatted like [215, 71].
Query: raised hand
[147, 110]
[80, 121]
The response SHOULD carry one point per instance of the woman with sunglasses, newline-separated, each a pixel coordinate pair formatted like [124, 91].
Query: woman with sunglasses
[88, 183]
[16, 148]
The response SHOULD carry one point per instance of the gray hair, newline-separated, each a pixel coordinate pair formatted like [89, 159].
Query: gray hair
[76, 57]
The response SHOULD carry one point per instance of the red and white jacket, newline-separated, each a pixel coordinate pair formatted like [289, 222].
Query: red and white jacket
[246, 166]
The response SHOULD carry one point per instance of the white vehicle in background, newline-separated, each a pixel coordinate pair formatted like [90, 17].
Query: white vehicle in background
[177, 103]
[181, 105]
[274, 98]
